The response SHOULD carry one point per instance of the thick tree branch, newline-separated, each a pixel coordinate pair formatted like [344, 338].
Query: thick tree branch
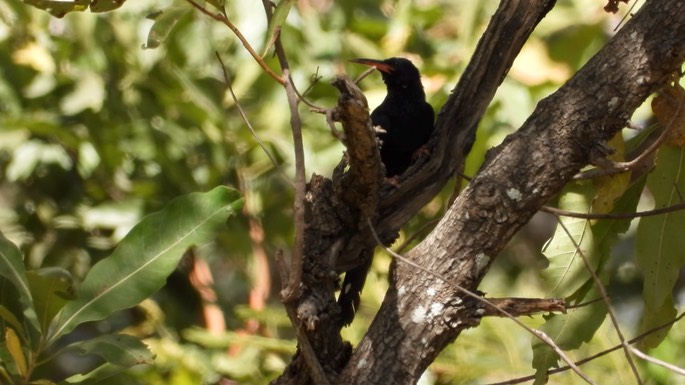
[517, 178]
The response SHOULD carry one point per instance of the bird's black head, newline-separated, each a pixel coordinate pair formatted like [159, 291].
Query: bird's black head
[397, 72]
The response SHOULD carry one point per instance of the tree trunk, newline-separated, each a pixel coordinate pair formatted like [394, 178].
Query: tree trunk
[421, 314]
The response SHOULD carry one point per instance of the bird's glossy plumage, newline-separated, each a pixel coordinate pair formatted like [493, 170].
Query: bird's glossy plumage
[404, 114]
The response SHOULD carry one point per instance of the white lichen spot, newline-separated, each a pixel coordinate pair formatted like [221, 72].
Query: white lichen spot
[613, 102]
[536, 190]
[482, 260]
[633, 35]
[514, 194]
[401, 291]
[418, 315]
[431, 291]
[436, 309]
[361, 363]
[480, 312]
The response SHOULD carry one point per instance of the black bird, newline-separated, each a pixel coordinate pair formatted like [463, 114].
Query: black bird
[404, 115]
[407, 121]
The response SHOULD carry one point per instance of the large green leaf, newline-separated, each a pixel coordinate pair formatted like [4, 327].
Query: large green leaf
[660, 245]
[566, 271]
[61, 8]
[568, 331]
[141, 263]
[165, 22]
[51, 288]
[120, 349]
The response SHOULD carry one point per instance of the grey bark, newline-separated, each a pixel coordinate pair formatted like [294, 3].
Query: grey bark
[420, 315]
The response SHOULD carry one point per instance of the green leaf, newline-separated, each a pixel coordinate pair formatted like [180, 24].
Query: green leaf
[102, 375]
[164, 23]
[654, 317]
[660, 245]
[569, 331]
[566, 271]
[14, 347]
[118, 349]
[51, 289]
[12, 268]
[139, 266]
[11, 319]
[59, 8]
[277, 20]
[105, 5]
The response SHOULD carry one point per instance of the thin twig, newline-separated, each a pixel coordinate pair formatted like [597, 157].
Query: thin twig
[229, 85]
[539, 334]
[594, 356]
[363, 75]
[641, 214]
[223, 18]
[290, 293]
[426, 226]
[605, 299]
[573, 214]
[657, 361]
[303, 99]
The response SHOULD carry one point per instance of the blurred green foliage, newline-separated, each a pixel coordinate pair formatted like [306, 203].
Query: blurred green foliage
[103, 121]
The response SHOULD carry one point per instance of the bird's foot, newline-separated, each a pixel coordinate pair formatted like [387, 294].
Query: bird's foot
[420, 152]
[393, 181]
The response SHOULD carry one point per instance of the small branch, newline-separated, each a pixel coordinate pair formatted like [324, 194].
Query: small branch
[539, 334]
[656, 361]
[362, 183]
[641, 214]
[524, 306]
[302, 98]
[228, 81]
[605, 298]
[223, 18]
[293, 289]
[594, 356]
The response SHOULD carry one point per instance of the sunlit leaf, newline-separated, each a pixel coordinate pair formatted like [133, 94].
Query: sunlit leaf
[660, 245]
[654, 317]
[566, 271]
[105, 5]
[14, 347]
[146, 256]
[568, 331]
[611, 187]
[276, 23]
[165, 21]
[59, 8]
[669, 109]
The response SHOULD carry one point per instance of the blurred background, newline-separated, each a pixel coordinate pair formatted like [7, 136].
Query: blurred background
[102, 123]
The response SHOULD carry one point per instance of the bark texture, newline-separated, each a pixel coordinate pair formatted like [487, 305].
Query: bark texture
[421, 314]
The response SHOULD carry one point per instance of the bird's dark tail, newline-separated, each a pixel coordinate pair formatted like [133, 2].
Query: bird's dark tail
[350, 294]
